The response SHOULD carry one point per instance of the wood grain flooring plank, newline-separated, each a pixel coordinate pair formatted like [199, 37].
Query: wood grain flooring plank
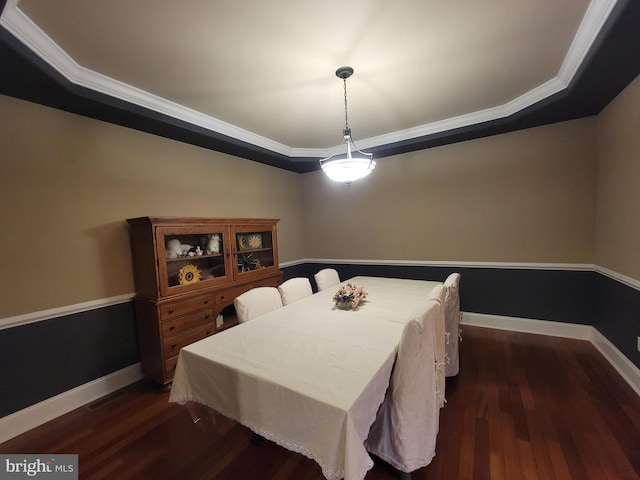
[511, 455]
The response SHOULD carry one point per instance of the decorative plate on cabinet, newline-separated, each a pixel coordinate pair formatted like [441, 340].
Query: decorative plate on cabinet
[189, 274]
[252, 241]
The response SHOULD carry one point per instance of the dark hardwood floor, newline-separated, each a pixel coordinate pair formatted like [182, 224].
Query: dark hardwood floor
[523, 407]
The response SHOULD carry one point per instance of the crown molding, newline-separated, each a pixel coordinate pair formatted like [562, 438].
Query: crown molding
[27, 32]
[490, 114]
[34, 38]
[596, 16]
[593, 21]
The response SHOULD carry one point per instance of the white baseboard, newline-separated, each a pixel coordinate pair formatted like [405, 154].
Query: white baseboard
[622, 364]
[525, 325]
[42, 412]
[629, 372]
[35, 415]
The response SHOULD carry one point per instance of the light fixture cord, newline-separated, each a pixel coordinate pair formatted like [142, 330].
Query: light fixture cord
[346, 118]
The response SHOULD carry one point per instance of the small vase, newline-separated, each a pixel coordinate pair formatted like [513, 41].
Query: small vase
[343, 305]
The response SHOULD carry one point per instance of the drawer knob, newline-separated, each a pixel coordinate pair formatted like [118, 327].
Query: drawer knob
[208, 332]
[171, 310]
[172, 327]
[221, 297]
[173, 346]
[206, 316]
[206, 301]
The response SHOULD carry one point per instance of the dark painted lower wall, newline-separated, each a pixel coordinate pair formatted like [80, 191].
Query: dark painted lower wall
[558, 295]
[617, 315]
[43, 359]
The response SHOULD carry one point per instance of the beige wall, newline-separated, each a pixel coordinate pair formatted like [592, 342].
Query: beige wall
[67, 183]
[618, 190]
[526, 196]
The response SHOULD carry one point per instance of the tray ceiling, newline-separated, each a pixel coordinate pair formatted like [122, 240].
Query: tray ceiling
[259, 76]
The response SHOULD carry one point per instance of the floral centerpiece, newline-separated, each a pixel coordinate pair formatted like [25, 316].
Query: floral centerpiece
[349, 296]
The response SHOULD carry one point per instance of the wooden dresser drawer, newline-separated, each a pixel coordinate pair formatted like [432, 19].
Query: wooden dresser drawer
[176, 309]
[269, 282]
[228, 294]
[177, 325]
[173, 344]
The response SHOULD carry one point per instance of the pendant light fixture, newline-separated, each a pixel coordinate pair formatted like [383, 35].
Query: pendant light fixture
[352, 164]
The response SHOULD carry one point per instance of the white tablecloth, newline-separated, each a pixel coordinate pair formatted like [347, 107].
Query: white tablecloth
[307, 376]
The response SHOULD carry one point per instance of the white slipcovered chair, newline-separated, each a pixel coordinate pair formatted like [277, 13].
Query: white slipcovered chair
[326, 278]
[294, 289]
[406, 426]
[256, 302]
[438, 294]
[452, 324]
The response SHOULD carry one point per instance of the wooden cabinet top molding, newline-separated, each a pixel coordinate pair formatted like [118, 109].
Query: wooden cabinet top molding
[162, 221]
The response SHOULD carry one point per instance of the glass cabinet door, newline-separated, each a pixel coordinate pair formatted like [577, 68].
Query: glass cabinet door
[253, 250]
[192, 257]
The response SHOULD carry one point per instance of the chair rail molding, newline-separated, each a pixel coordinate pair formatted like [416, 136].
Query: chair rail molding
[452, 263]
[48, 314]
[32, 317]
[581, 267]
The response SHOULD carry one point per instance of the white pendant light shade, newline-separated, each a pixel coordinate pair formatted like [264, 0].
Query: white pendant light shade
[350, 166]
[353, 164]
[347, 171]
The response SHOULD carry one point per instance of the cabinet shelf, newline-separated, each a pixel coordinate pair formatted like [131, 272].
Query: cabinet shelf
[245, 252]
[194, 258]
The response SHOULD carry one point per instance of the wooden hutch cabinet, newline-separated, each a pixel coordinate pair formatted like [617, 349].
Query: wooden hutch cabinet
[187, 273]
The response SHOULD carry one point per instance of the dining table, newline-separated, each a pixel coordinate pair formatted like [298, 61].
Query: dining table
[308, 376]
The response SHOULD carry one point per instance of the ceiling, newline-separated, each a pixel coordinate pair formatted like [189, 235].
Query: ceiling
[257, 79]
